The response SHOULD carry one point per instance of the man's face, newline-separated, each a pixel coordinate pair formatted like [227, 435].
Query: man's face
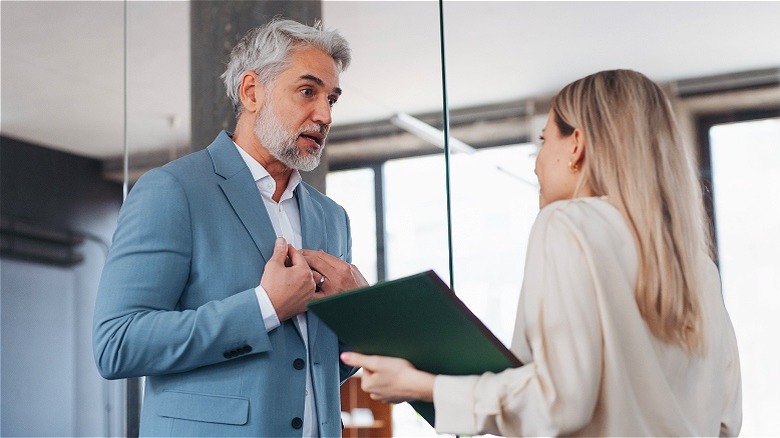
[296, 114]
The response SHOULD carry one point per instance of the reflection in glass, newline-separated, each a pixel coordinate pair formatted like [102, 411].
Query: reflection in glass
[745, 159]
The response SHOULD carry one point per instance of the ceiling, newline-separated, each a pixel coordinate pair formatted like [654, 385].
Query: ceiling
[85, 76]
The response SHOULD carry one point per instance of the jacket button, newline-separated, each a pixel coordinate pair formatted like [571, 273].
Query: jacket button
[296, 423]
[298, 364]
[228, 354]
[246, 349]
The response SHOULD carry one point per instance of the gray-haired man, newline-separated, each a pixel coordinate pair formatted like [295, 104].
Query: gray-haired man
[204, 290]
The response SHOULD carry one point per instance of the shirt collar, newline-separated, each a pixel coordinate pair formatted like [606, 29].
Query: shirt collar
[264, 180]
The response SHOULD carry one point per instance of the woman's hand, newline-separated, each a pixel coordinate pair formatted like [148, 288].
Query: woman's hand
[390, 379]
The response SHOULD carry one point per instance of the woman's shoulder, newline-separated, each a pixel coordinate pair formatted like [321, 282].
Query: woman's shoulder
[592, 221]
[581, 211]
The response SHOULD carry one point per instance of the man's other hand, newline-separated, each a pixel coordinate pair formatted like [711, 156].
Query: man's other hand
[336, 274]
[288, 281]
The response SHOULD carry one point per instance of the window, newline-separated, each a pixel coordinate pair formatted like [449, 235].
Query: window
[492, 213]
[745, 158]
[354, 190]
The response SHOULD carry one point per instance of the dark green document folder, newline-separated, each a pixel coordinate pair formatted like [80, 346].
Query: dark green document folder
[420, 319]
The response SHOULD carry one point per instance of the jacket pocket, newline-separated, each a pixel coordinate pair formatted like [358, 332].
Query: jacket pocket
[208, 408]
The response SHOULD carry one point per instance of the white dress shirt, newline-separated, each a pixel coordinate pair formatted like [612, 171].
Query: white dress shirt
[286, 220]
[593, 368]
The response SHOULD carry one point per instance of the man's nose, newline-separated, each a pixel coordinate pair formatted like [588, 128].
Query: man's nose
[322, 112]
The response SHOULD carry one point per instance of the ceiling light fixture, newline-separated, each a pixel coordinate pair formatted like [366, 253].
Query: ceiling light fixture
[435, 136]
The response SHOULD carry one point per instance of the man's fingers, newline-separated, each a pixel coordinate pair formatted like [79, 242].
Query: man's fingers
[280, 250]
[296, 258]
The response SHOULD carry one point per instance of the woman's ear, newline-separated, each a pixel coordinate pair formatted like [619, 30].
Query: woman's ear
[578, 147]
[251, 91]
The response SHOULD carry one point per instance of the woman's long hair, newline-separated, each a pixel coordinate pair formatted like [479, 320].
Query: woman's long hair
[635, 157]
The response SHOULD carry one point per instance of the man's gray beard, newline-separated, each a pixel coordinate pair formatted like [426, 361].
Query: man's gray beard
[274, 137]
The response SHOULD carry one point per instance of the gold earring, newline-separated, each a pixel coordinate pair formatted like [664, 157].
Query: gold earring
[573, 166]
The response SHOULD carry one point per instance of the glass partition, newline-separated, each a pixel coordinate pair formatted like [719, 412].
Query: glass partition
[58, 65]
[522, 53]
[399, 223]
[503, 60]
[158, 130]
[378, 86]
[493, 188]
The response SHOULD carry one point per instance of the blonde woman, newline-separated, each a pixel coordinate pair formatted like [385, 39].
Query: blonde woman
[621, 323]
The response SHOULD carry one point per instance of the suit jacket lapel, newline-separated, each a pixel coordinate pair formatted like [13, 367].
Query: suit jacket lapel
[313, 231]
[241, 191]
[313, 236]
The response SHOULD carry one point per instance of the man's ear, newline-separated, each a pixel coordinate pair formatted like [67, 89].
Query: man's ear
[251, 91]
[578, 147]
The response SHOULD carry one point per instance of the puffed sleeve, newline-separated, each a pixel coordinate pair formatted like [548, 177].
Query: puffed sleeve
[731, 416]
[559, 317]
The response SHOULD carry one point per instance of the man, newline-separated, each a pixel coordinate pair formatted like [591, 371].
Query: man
[204, 289]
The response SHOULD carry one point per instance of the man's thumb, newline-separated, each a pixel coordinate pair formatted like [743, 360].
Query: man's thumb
[280, 249]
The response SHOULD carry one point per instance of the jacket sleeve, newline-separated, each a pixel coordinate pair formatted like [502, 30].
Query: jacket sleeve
[138, 327]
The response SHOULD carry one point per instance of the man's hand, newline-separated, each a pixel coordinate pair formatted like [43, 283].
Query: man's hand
[288, 281]
[332, 274]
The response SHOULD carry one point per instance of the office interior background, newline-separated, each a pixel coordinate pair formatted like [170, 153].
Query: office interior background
[96, 92]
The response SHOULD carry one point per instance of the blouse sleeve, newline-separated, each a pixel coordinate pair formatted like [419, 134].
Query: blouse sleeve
[558, 315]
[723, 351]
[731, 417]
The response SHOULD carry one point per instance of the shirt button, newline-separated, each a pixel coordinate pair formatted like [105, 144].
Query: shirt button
[298, 364]
[296, 423]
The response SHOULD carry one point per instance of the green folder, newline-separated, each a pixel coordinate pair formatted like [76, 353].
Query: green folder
[420, 319]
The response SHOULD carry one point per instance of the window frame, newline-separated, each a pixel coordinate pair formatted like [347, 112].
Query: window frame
[703, 123]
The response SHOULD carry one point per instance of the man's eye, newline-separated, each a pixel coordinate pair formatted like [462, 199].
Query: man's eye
[332, 101]
[308, 92]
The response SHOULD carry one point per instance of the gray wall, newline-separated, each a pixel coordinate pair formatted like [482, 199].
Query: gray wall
[49, 385]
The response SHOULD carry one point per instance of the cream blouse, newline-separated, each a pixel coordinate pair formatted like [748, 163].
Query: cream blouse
[592, 366]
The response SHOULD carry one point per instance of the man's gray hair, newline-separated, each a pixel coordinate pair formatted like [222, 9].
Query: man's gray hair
[266, 51]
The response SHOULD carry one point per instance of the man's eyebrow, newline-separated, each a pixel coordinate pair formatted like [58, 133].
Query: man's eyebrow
[320, 82]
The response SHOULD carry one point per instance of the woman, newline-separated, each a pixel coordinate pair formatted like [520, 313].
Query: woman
[621, 323]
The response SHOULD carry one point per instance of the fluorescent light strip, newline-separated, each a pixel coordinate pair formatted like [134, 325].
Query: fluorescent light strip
[436, 137]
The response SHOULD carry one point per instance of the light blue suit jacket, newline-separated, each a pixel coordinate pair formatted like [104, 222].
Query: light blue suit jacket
[177, 304]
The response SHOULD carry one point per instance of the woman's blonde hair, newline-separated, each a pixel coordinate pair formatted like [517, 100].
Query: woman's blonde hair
[635, 157]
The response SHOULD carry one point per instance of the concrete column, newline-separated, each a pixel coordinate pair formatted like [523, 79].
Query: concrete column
[216, 26]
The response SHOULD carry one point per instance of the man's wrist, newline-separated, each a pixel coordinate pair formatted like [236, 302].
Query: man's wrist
[267, 310]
